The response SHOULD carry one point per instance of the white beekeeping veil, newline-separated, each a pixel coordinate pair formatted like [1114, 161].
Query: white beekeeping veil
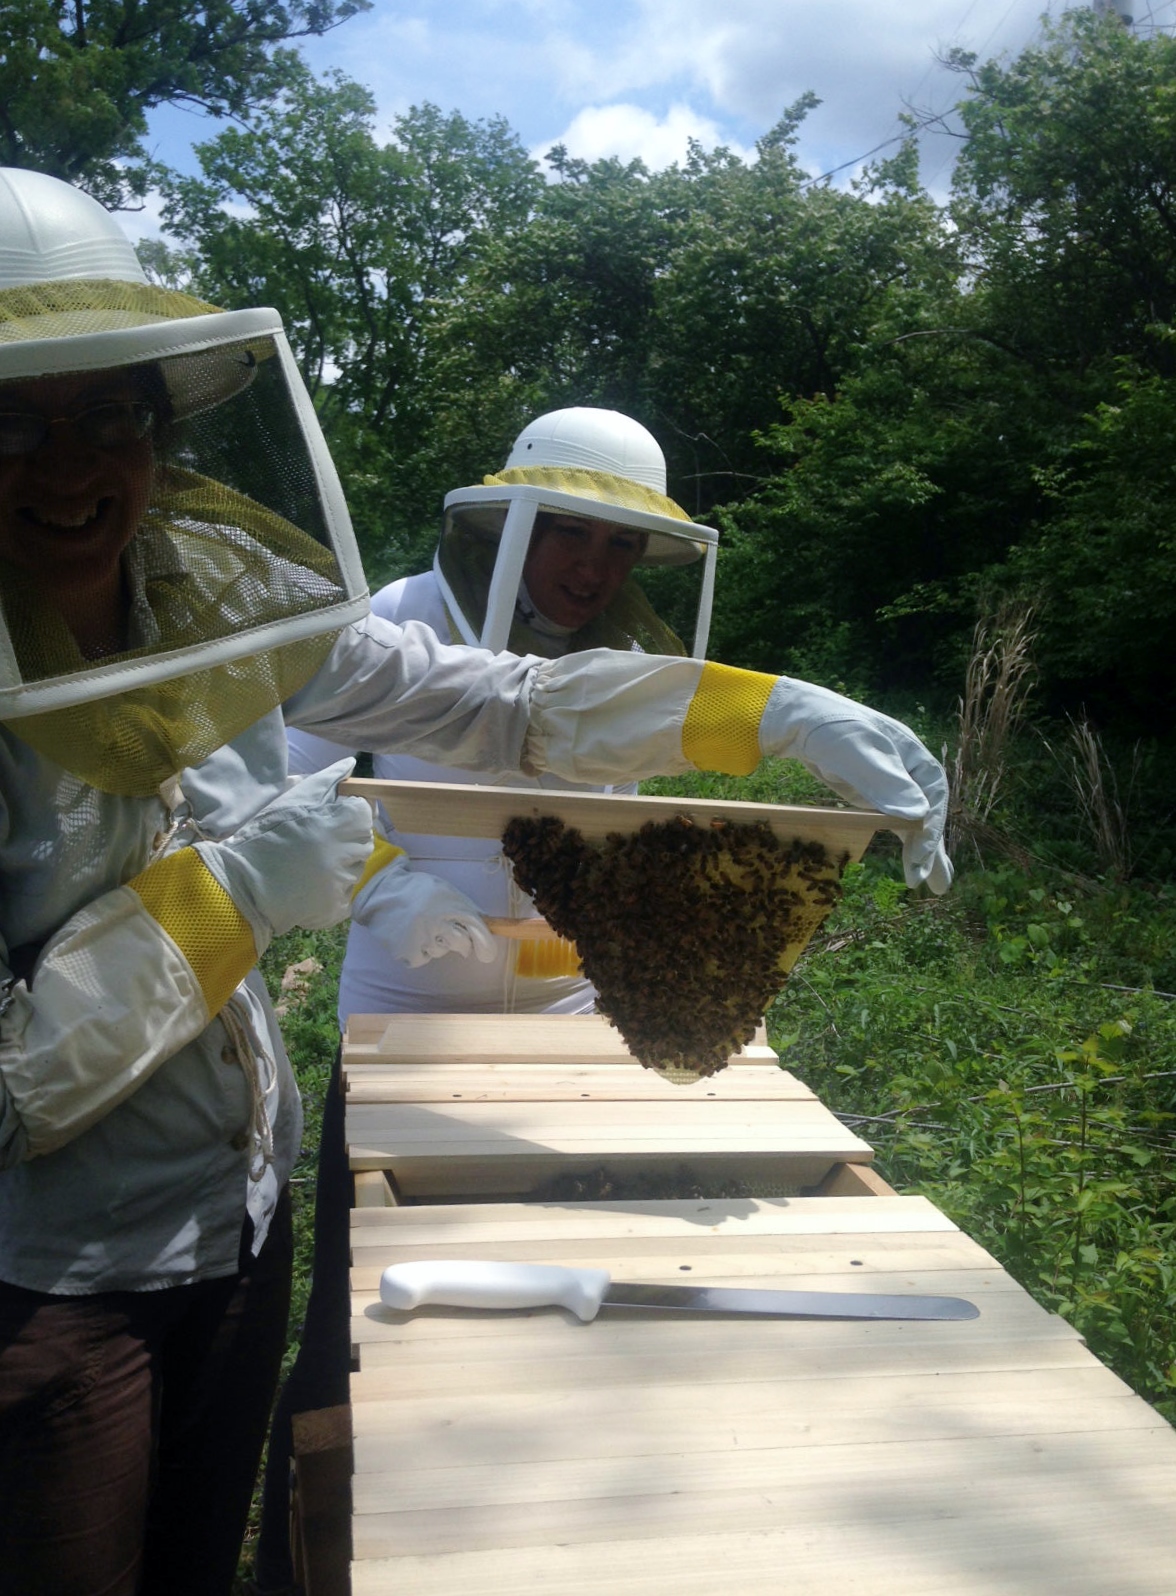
[242, 567]
[598, 465]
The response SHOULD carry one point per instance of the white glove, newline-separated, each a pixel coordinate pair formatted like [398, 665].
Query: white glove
[417, 917]
[868, 759]
[296, 862]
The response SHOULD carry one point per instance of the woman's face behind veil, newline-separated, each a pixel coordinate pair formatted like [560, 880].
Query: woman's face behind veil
[575, 567]
[70, 505]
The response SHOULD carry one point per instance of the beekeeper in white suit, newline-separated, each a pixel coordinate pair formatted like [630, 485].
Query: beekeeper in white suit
[546, 556]
[175, 564]
[577, 583]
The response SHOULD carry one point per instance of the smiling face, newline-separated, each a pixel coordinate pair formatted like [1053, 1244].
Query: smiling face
[69, 507]
[575, 567]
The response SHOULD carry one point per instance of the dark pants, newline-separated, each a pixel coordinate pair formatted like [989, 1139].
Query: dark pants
[320, 1376]
[131, 1424]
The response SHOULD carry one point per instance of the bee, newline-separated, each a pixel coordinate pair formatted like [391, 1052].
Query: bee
[680, 927]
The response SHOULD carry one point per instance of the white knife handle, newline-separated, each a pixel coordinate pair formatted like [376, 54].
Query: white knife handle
[456, 1284]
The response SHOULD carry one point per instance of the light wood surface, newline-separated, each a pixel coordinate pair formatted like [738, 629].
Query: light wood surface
[644, 1454]
[452, 810]
[456, 1105]
[450, 1129]
[501, 1039]
[521, 1083]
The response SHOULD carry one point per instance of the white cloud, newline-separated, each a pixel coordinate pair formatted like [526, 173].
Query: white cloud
[729, 69]
[749, 59]
[629, 132]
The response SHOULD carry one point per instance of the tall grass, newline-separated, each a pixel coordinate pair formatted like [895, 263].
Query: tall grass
[991, 711]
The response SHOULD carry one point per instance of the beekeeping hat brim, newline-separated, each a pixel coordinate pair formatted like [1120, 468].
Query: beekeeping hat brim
[75, 324]
[671, 538]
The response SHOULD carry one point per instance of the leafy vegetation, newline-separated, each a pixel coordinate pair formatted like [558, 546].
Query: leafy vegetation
[77, 79]
[1006, 1053]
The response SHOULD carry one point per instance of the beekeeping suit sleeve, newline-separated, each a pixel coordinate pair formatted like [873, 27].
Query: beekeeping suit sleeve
[130, 979]
[603, 715]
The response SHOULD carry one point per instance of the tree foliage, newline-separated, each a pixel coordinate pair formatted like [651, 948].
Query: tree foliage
[363, 246]
[895, 410]
[77, 79]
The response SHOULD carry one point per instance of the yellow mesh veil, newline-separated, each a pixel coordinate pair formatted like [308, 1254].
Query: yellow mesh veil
[601, 486]
[76, 306]
[207, 559]
[630, 621]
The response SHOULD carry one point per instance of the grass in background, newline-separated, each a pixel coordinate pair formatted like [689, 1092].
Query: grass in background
[1009, 1050]
[311, 1032]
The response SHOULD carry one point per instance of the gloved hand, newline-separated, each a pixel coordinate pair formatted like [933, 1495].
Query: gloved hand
[417, 917]
[297, 861]
[869, 759]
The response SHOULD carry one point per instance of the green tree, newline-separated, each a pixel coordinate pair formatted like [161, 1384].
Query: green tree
[696, 298]
[1006, 429]
[77, 79]
[1065, 197]
[363, 247]
[1065, 203]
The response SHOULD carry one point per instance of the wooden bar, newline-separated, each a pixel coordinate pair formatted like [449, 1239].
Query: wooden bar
[435, 1039]
[454, 810]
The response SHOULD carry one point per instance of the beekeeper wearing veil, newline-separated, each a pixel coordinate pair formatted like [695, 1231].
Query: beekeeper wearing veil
[177, 573]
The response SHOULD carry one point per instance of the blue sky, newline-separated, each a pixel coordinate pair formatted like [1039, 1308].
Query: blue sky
[637, 77]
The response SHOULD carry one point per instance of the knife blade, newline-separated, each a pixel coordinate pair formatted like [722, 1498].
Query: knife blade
[458, 1283]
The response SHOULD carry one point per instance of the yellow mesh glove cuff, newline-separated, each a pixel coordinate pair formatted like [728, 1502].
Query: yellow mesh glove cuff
[545, 960]
[202, 920]
[382, 854]
[721, 729]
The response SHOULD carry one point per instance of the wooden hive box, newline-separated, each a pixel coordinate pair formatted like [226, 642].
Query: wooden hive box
[463, 1105]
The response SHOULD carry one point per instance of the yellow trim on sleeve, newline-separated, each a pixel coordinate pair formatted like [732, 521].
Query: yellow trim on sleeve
[382, 854]
[202, 920]
[721, 729]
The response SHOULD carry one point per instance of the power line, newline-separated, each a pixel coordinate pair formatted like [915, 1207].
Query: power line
[931, 116]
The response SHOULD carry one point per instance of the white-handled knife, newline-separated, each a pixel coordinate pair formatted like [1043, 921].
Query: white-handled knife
[455, 1283]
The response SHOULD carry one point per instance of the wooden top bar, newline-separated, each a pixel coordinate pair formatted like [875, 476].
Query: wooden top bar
[436, 1039]
[643, 1454]
[452, 809]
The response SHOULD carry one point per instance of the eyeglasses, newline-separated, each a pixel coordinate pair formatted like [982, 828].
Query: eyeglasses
[109, 426]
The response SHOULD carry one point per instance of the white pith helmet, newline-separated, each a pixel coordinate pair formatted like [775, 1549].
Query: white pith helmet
[581, 461]
[67, 271]
[241, 561]
[50, 231]
[593, 440]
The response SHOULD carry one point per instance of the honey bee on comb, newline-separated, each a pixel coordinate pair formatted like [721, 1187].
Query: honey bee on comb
[687, 932]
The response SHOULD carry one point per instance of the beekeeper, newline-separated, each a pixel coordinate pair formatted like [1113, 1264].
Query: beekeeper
[575, 581]
[547, 557]
[176, 570]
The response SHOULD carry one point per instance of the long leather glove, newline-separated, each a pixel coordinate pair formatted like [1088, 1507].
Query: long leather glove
[610, 715]
[137, 974]
[416, 916]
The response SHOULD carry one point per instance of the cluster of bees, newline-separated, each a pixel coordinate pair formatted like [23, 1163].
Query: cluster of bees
[686, 931]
